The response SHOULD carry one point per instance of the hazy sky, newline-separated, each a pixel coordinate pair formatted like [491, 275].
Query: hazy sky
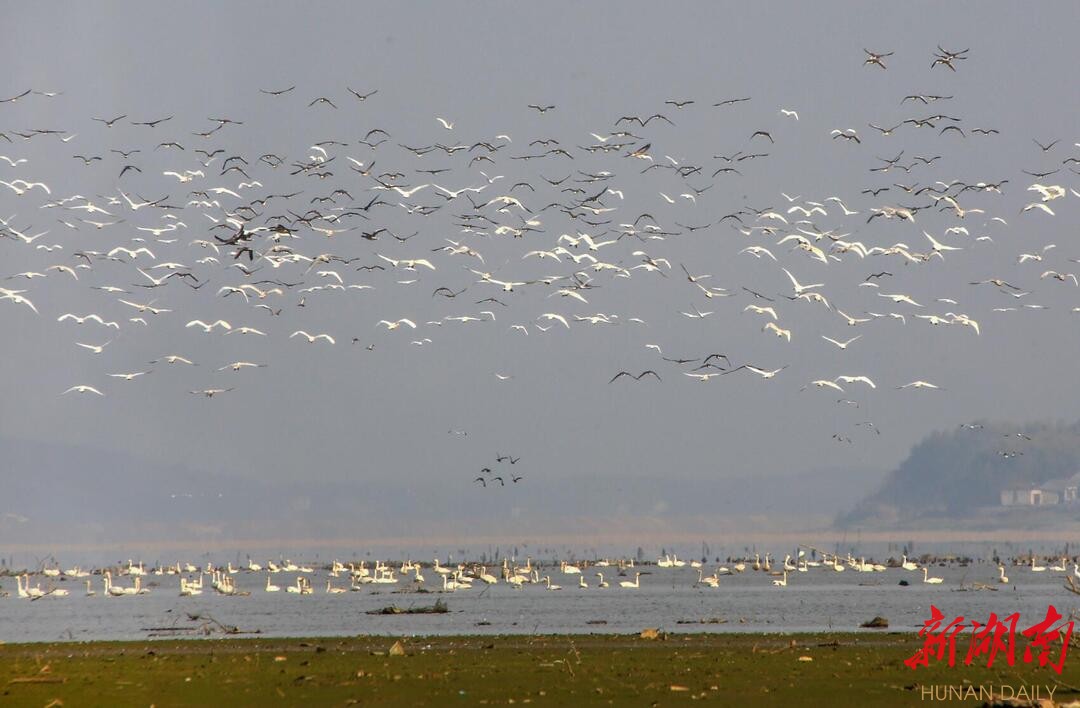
[330, 413]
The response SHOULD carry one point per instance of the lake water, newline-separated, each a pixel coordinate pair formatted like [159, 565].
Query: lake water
[817, 600]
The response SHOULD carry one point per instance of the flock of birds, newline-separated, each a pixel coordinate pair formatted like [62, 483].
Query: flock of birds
[199, 243]
[409, 575]
[488, 475]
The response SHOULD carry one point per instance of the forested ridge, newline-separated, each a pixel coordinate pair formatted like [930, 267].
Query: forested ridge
[959, 471]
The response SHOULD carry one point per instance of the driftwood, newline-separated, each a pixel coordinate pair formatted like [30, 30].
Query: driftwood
[437, 609]
[209, 626]
[50, 592]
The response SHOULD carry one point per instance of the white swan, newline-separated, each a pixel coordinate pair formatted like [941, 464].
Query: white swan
[83, 389]
[603, 583]
[269, 587]
[928, 580]
[1036, 568]
[636, 583]
[1001, 577]
[110, 589]
[312, 338]
[781, 583]
[396, 323]
[119, 590]
[908, 565]
[33, 592]
[385, 577]
[23, 583]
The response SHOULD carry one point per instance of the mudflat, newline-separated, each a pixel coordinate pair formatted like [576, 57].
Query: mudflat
[665, 669]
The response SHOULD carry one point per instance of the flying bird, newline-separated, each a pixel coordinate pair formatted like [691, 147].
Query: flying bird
[633, 376]
[841, 345]
[875, 58]
[397, 323]
[312, 338]
[917, 384]
[84, 389]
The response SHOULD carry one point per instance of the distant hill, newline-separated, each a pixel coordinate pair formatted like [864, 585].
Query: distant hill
[956, 473]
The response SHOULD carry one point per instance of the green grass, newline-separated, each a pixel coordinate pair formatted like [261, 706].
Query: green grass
[756, 669]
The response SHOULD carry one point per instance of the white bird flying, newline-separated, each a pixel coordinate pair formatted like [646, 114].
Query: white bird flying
[396, 323]
[312, 338]
[83, 389]
[209, 327]
[129, 377]
[842, 345]
[761, 310]
[898, 297]
[785, 333]
[800, 289]
[856, 379]
[556, 317]
[823, 383]
[918, 384]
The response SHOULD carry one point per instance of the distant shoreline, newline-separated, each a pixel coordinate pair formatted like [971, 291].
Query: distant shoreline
[824, 538]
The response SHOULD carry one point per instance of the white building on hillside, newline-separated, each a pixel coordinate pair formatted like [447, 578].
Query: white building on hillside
[1057, 491]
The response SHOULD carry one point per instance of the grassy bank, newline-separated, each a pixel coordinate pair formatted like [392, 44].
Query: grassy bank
[790, 670]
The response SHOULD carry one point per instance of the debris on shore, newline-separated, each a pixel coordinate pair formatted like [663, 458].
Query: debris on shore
[437, 609]
[207, 626]
[703, 620]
